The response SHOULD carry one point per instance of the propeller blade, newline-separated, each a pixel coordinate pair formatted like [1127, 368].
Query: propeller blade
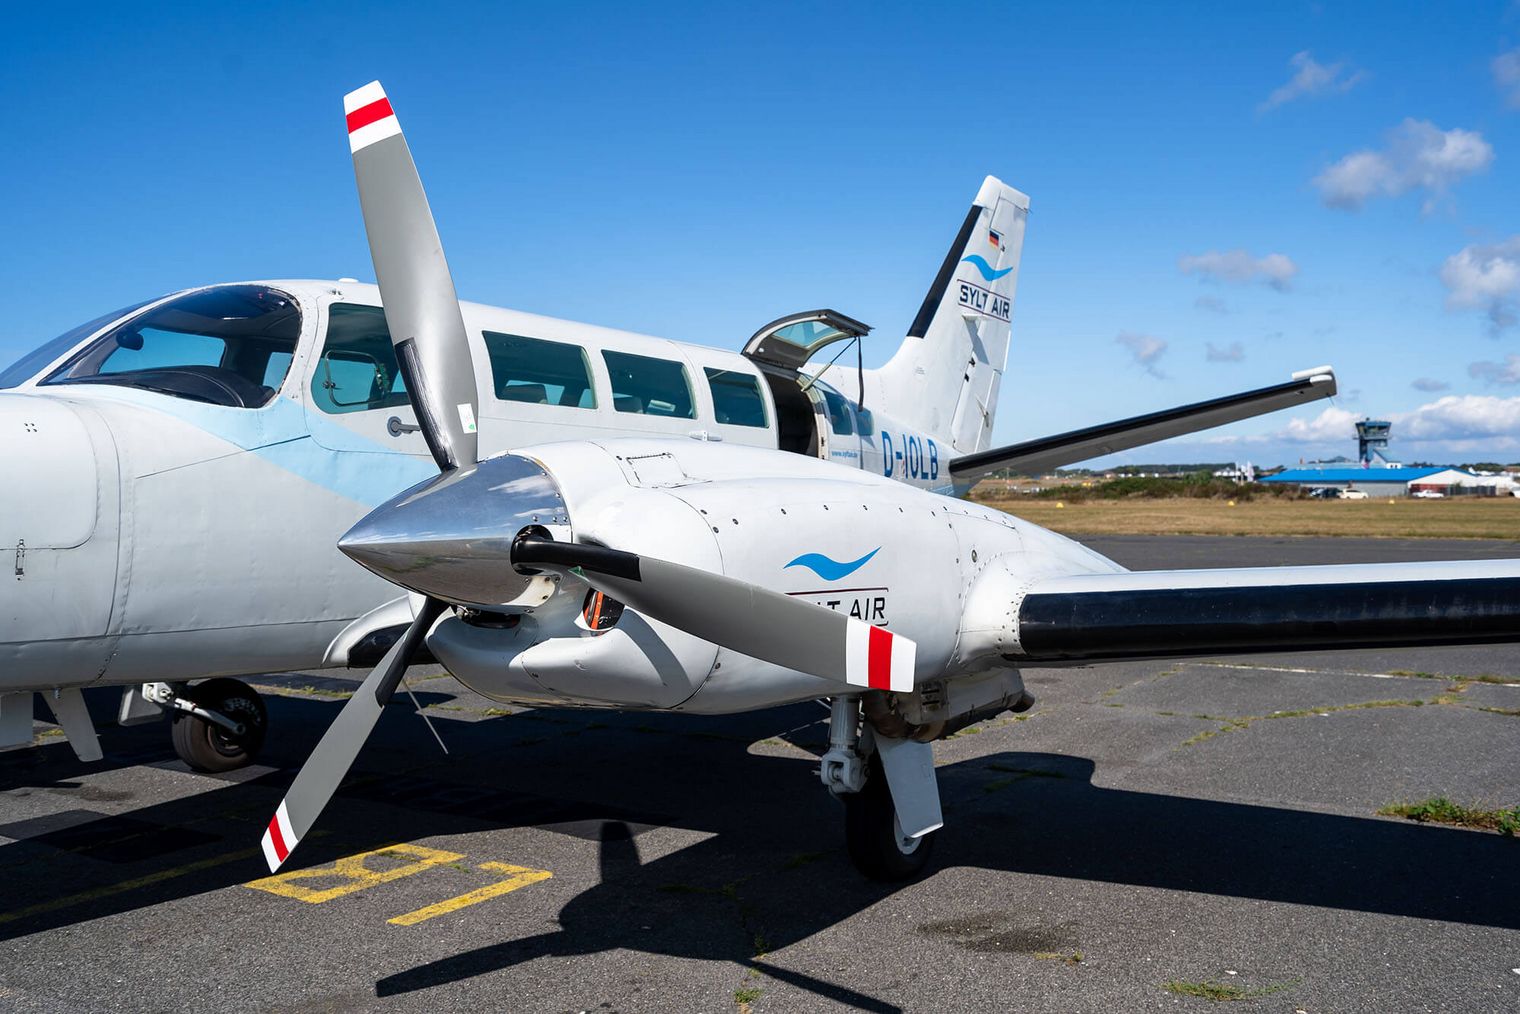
[740, 616]
[421, 306]
[329, 762]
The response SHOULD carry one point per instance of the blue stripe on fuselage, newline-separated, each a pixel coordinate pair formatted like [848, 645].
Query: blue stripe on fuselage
[282, 433]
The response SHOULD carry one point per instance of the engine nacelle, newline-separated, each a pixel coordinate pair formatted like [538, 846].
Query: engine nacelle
[943, 573]
[883, 553]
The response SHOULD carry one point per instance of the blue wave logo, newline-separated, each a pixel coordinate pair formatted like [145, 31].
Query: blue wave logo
[830, 570]
[988, 271]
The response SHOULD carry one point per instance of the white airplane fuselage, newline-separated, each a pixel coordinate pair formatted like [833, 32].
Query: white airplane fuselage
[153, 537]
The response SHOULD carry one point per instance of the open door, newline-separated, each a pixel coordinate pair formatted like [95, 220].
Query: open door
[781, 348]
[787, 343]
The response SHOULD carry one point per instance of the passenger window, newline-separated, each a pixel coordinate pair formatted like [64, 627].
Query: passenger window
[539, 372]
[358, 368]
[736, 397]
[865, 423]
[649, 386]
[839, 413]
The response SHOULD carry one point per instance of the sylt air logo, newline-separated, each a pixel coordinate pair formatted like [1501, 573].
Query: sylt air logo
[866, 603]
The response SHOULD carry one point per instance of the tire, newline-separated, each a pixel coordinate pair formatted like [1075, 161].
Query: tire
[874, 838]
[206, 746]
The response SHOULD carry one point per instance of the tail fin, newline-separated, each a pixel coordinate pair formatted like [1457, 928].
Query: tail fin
[945, 377]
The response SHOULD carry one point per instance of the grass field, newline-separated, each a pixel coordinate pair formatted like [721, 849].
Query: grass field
[1456, 518]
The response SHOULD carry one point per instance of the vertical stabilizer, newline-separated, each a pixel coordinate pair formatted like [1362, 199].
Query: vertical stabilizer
[945, 377]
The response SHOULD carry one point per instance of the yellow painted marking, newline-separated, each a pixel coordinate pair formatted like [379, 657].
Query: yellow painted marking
[518, 876]
[353, 870]
[126, 885]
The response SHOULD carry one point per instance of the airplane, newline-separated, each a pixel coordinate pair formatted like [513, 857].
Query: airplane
[659, 573]
[182, 468]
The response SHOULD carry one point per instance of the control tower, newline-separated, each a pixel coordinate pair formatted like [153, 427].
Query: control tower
[1371, 438]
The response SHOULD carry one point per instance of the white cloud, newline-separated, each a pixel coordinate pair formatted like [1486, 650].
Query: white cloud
[1232, 353]
[1463, 417]
[1331, 425]
[1311, 78]
[1147, 350]
[1429, 384]
[1451, 428]
[1507, 76]
[1452, 418]
[1418, 156]
[1239, 268]
[1507, 372]
[1212, 303]
[1487, 278]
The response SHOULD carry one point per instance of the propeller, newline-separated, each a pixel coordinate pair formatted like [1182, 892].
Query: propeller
[421, 306]
[740, 616]
[427, 329]
[319, 778]
[440, 537]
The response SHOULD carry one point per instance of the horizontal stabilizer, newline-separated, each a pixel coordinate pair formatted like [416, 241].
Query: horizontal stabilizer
[1180, 613]
[1046, 453]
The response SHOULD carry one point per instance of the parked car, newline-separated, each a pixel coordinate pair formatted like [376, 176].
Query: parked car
[1353, 494]
[1429, 494]
[1323, 493]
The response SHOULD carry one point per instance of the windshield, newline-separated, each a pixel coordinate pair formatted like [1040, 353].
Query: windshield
[28, 365]
[229, 346]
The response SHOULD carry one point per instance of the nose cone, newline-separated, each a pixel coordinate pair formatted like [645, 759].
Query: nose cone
[451, 536]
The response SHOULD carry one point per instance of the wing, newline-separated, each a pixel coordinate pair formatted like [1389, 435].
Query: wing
[1177, 613]
[1095, 441]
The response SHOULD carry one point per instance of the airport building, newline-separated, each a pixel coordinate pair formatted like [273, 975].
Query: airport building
[1381, 481]
[1375, 474]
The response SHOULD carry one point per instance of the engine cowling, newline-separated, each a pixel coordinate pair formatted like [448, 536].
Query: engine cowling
[880, 552]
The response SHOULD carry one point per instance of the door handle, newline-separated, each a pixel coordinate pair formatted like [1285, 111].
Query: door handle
[396, 427]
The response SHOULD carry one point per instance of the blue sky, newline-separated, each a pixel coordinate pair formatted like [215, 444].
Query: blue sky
[1195, 182]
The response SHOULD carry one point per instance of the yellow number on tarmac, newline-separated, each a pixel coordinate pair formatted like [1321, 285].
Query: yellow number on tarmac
[517, 876]
[355, 873]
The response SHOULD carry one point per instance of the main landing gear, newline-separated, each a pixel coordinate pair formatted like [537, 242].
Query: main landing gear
[891, 802]
[218, 725]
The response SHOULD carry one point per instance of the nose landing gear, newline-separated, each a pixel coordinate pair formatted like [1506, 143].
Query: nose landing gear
[854, 771]
[873, 833]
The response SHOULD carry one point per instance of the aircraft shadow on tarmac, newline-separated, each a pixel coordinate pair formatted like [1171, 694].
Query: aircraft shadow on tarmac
[607, 776]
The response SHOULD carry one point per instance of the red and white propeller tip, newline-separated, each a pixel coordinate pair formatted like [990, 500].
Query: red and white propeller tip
[279, 839]
[370, 117]
[878, 659]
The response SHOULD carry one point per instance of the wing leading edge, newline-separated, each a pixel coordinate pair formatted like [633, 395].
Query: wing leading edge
[1034, 456]
[1171, 614]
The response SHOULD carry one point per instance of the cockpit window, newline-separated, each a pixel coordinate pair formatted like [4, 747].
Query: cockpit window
[358, 369]
[226, 346]
[26, 367]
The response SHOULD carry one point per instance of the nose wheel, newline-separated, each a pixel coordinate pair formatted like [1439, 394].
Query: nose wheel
[224, 731]
[874, 836]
